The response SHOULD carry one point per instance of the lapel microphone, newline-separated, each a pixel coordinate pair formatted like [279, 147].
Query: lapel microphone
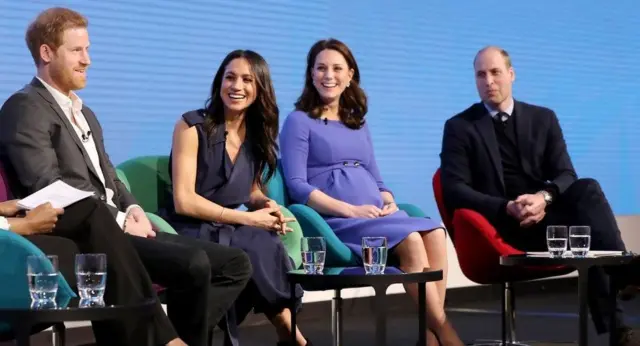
[85, 137]
[326, 121]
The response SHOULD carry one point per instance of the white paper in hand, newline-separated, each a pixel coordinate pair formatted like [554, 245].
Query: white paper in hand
[59, 194]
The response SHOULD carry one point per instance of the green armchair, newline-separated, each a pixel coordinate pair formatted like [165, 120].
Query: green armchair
[147, 178]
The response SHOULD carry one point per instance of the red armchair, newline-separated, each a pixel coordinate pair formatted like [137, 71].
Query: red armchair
[479, 248]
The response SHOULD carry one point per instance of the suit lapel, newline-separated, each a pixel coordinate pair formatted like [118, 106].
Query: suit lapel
[72, 132]
[484, 125]
[98, 140]
[523, 135]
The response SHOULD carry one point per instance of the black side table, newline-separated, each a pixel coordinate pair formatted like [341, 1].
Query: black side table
[352, 277]
[582, 264]
[23, 319]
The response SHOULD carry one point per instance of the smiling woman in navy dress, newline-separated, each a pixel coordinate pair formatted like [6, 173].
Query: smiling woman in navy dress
[217, 159]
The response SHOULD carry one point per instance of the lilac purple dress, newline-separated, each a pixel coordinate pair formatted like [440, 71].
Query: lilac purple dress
[339, 161]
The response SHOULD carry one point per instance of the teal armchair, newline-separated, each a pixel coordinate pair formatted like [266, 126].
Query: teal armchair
[313, 225]
[14, 250]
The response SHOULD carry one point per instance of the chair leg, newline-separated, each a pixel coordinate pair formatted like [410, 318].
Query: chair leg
[336, 318]
[508, 314]
[58, 337]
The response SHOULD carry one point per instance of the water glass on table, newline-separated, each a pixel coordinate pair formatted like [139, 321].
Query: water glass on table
[374, 254]
[557, 240]
[91, 275]
[42, 273]
[580, 240]
[314, 250]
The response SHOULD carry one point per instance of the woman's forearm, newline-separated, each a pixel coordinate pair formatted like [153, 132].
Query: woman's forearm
[328, 205]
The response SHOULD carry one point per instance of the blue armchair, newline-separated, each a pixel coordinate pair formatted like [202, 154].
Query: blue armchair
[313, 225]
[14, 250]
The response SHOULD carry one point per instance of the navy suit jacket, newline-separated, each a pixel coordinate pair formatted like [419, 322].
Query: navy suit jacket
[471, 166]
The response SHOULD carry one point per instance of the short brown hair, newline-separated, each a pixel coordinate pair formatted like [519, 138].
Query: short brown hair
[504, 53]
[48, 28]
[353, 101]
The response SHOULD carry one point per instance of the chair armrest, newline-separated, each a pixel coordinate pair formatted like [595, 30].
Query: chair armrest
[313, 225]
[412, 210]
[291, 240]
[472, 221]
[160, 223]
[14, 287]
[123, 178]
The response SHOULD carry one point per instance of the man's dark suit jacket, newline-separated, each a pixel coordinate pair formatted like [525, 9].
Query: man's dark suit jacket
[38, 146]
[471, 166]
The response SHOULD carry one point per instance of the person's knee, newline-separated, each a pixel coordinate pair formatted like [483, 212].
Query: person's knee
[199, 268]
[587, 185]
[411, 252]
[239, 266]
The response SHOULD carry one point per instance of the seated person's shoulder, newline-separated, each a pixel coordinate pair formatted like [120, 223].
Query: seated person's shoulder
[298, 115]
[535, 109]
[19, 99]
[466, 117]
[297, 118]
[192, 118]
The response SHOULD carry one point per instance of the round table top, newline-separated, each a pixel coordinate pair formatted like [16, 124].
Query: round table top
[72, 311]
[594, 258]
[349, 277]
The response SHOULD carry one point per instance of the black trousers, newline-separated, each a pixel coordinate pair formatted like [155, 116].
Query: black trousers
[583, 203]
[202, 279]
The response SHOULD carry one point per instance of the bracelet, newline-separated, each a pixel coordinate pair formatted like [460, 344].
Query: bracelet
[221, 212]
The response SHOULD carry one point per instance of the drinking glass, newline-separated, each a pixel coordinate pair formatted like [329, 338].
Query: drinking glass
[556, 240]
[42, 273]
[314, 250]
[91, 274]
[580, 240]
[374, 254]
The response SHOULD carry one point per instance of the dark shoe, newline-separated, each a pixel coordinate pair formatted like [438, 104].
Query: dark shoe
[628, 337]
[628, 293]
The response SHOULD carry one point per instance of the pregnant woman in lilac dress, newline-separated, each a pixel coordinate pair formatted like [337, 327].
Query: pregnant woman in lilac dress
[217, 159]
[329, 165]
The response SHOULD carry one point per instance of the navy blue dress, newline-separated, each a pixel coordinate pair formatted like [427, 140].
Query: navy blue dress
[229, 184]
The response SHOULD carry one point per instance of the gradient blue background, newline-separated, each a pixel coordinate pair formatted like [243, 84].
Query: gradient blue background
[152, 60]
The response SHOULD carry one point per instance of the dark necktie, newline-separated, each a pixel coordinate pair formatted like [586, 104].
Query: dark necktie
[503, 117]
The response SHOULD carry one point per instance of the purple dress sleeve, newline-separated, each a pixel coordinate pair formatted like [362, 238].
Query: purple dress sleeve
[294, 150]
[372, 166]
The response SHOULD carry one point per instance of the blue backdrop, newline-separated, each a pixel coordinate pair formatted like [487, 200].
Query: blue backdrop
[155, 59]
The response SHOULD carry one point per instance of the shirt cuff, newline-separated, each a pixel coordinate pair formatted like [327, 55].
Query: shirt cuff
[4, 223]
[123, 215]
[120, 219]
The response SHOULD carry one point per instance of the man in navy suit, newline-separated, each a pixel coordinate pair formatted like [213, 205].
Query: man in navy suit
[508, 161]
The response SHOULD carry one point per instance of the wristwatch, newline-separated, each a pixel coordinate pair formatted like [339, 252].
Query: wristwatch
[548, 198]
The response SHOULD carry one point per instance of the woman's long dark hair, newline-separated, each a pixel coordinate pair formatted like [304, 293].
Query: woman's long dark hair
[353, 101]
[261, 118]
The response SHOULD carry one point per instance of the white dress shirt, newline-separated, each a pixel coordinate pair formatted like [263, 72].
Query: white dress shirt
[494, 112]
[72, 107]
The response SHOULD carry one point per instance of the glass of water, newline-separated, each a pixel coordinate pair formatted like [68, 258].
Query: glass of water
[557, 240]
[314, 250]
[374, 254]
[42, 272]
[580, 240]
[91, 274]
